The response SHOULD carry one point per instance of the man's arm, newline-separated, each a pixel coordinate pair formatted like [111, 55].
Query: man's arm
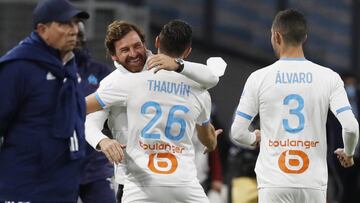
[246, 111]
[93, 103]
[208, 136]
[112, 149]
[93, 128]
[240, 131]
[340, 107]
[350, 135]
[195, 71]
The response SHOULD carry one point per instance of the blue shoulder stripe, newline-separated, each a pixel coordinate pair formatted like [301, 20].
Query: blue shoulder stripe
[102, 104]
[342, 109]
[244, 115]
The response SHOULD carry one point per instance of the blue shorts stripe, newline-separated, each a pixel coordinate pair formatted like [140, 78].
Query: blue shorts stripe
[102, 104]
[244, 115]
[342, 109]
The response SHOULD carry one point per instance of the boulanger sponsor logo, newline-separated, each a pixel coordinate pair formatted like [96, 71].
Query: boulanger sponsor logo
[162, 159]
[293, 161]
[296, 160]
[162, 163]
[161, 146]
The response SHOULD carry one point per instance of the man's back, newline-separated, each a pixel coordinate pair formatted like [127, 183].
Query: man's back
[293, 97]
[162, 110]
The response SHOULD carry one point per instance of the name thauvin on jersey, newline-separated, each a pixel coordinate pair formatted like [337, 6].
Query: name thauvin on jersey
[180, 89]
[293, 78]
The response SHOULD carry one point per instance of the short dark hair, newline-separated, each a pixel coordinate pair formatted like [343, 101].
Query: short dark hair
[292, 25]
[175, 37]
[116, 31]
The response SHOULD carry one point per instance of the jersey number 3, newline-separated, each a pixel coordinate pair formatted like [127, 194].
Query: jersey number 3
[296, 112]
[294, 161]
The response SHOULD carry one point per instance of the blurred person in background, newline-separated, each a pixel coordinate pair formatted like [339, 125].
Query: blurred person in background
[42, 110]
[293, 97]
[96, 185]
[125, 44]
[344, 183]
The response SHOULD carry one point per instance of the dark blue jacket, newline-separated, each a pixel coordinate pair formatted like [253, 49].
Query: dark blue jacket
[91, 72]
[41, 108]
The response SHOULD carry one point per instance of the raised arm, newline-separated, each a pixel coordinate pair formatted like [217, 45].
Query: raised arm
[195, 71]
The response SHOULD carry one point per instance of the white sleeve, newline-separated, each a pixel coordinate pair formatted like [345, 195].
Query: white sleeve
[341, 108]
[350, 131]
[247, 109]
[200, 74]
[114, 92]
[204, 117]
[93, 127]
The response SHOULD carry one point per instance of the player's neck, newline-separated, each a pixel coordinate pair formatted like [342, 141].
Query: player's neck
[292, 52]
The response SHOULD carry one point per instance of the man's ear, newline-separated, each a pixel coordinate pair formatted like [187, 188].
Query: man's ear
[305, 38]
[157, 42]
[187, 52]
[40, 28]
[114, 57]
[278, 38]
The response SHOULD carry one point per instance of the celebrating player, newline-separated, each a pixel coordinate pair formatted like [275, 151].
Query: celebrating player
[292, 97]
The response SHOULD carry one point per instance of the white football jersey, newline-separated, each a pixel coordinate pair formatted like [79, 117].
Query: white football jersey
[292, 97]
[162, 110]
[117, 120]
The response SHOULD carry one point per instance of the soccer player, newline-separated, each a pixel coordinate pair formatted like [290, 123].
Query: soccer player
[163, 110]
[125, 43]
[292, 97]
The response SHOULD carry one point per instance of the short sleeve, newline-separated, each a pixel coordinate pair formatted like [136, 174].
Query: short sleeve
[248, 106]
[339, 101]
[113, 91]
[204, 117]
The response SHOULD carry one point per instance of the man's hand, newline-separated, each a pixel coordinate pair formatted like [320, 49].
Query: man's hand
[216, 185]
[112, 149]
[258, 138]
[161, 61]
[345, 160]
[217, 133]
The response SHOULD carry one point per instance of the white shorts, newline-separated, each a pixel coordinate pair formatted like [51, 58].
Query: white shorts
[164, 194]
[291, 195]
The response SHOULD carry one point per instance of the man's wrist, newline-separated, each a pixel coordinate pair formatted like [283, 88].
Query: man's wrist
[180, 62]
